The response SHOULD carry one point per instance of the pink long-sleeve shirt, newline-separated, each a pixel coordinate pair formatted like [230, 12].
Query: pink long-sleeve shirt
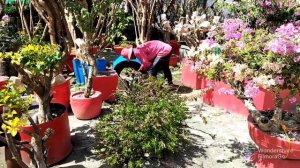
[148, 51]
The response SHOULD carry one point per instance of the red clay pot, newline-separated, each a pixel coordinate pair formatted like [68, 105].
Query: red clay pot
[174, 60]
[271, 145]
[190, 78]
[175, 45]
[61, 93]
[107, 85]
[118, 49]
[3, 81]
[95, 49]
[263, 101]
[86, 108]
[59, 144]
[69, 63]
[230, 102]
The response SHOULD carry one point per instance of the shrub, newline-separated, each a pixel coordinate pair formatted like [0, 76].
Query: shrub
[146, 123]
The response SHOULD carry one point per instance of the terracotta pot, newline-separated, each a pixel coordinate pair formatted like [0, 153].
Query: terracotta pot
[175, 45]
[263, 101]
[174, 60]
[107, 85]
[118, 49]
[69, 63]
[59, 144]
[3, 81]
[190, 78]
[61, 93]
[95, 49]
[86, 108]
[271, 145]
[229, 102]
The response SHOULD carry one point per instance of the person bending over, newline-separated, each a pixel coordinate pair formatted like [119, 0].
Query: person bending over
[154, 55]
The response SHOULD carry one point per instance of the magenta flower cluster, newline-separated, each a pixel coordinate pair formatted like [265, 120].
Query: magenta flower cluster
[196, 66]
[234, 28]
[251, 90]
[285, 42]
[287, 30]
[225, 91]
[6, 18]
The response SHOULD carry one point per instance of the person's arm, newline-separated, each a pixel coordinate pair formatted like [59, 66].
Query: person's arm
[145, 65]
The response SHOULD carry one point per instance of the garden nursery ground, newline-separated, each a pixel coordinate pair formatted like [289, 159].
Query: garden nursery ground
[223, 141]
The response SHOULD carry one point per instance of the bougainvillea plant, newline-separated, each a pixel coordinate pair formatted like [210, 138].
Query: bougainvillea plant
[252, 60]
[267, 14]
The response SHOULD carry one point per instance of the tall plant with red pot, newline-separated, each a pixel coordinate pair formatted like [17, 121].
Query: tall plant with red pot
[87, 15]
[37, 64]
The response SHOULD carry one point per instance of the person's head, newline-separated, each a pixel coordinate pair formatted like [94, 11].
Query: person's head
[127, 53]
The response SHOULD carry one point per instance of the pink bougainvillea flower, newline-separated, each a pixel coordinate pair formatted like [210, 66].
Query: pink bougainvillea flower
[297, 59]
[281, 46]
[208, 42]
[292, 100]
[240, 44]
[251, 89]
[268, 3]
[279, 80]
[279, 4]
[287, 30]
[225, 91]
[6, 18]
[196, 66]
[211, 84]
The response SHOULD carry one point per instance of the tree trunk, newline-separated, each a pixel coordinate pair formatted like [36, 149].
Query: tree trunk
[91, 74]
[37, 145]
[44, 113]
[143, 25]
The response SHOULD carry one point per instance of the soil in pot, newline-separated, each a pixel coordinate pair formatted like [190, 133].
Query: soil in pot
[59, 144]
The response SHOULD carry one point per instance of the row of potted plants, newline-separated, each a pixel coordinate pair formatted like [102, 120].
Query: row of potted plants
[252, 68]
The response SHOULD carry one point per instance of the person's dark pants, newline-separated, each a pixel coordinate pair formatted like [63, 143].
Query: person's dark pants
[161, 64]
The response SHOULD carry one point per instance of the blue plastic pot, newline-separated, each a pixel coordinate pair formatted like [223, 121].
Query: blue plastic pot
[78, 71]
[101, 64]
[120, 63]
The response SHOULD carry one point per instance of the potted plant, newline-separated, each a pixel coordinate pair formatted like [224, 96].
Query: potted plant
[146, 124]
[105, 15]
[193, 31]
[233, 29]
[37, 63]
[257, 61]
[123, 44]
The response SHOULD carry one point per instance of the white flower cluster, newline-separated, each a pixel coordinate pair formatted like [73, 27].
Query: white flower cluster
[265, 81]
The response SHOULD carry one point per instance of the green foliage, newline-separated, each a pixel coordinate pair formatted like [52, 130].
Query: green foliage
[8, 38]
[38, 59]
[263, 14]
[11, 99]
[105, 12]
[146, 123]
